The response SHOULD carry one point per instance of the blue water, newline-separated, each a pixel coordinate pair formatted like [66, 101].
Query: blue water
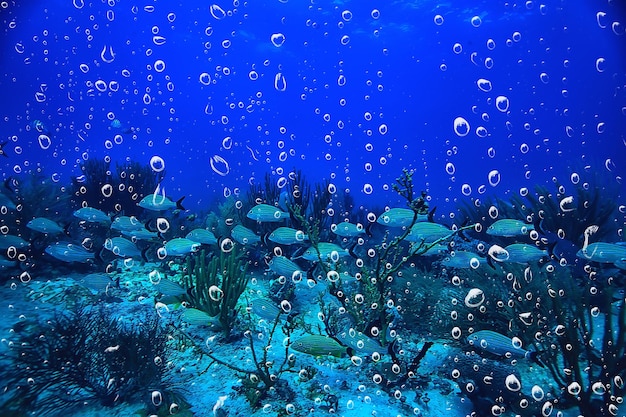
[349, 93]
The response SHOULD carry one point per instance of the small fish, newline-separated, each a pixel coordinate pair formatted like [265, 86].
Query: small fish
[244, 235]
[509, 228]
[122, 247]
[126, 224]
[141, 234]
[170, 288]
[287, 236]
[198, 317]
[281, 265]
[347, 229]
[92, 215]
[327, 251]
[69, 252]
[43, 225]
[265, 309]
[602, 252]
[159, 202]
[318, 345]
[180, 246]
[98, 282]
[427, 232]
[524, 253]
[7, 202]
[462, 260]
[206, 237]
[11, 241]
[500, 345]
[264, 213]
[359, 342]
[399, 217]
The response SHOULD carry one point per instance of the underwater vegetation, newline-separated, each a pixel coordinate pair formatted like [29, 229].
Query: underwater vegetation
[114, 191]
[85, 356]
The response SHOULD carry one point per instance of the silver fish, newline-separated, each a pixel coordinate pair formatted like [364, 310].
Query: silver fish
[97, 282]
[122, 247]
[603, 252]
[126, 224]
[265, 309]
[399, 217]
[427, 232]
[498, 344]
[287, 236]
[462, 260]
[141, 234]
[181, 246]
[318, 345]
[524, 253]
[509, 228]
[43, 225]
[244, 235]
[266, 213]
[281, 265]
[359, 342]
[159, 202]
[347, 229]
[7, 202]
[327, 251]
[69, 252]
[206, 237]
[92, 215]
[11, 241]
[170, 288]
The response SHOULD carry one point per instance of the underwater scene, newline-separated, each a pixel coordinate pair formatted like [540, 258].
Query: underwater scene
[312, 208]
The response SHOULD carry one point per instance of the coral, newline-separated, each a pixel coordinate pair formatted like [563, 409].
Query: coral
[85, 356]
[215, 286]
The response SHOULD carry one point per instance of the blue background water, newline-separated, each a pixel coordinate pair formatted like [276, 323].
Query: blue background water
[404, 87]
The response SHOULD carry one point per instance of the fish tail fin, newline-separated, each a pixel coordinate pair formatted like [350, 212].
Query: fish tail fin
[144, 253]
[533, 355]
[352, 252]
[66, 230]
[179, 203]
[538, 224]
[431, 215]
[550, 249]
[490, 262]
[368, 229]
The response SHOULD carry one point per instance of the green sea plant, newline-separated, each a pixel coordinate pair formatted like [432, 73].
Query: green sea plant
[85, 356]
[215, 283]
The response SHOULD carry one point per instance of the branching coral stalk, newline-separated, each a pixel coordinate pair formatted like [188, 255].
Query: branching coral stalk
[215, 287]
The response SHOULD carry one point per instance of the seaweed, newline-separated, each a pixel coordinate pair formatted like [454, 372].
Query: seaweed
[215, 286]
[85, 356]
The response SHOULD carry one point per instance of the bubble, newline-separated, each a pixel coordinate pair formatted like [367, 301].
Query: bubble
[382, 129]
[544, 78]
[491, 152]
[217, 12]
[450, 169]
[461, 126]
[278, 39]
[466, 189]
[494, 177]
[219, 165]
[368, 189]
[280, 83]
[474, 298]
[205, 78]
[517, 36]
[537, 393]
[375, 13]
[484, 85]
[457, 48]
[346, 15]
[524, 148]
[600, 64]
[44, 141]
[345, 39]
[438, 19]
[502, 103]
[157, 163]
[476, 21]
[107, 190]
[159, 65]
[491, 44]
